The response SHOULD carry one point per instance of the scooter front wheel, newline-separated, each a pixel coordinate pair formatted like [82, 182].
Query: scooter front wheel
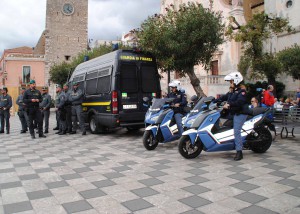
[149, 141]
[187, 149]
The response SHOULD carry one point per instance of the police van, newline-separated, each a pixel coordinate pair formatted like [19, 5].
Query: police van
[114, 86]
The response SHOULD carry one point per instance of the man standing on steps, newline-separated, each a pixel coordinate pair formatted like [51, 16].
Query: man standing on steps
[32, 97]
[45, 107]
[5, 105]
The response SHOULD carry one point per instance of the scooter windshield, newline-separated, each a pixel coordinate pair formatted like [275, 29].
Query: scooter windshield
[157, 103]
[201, 105]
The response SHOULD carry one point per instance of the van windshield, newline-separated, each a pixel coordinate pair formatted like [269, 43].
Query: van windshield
[150, 82]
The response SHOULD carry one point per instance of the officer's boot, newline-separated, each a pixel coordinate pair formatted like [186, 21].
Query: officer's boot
[238, 156]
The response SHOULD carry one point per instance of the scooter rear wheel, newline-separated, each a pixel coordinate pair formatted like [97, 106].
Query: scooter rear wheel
[187, 150]
[263, 141]
[149, 141]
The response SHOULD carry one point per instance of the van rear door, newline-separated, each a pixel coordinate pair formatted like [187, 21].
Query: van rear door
[129, 88]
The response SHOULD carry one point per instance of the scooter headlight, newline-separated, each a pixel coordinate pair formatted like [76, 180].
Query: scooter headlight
[154, 119]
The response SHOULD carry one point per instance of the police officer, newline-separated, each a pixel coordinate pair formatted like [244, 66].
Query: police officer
[76, 98]
[60, 111]
[32, 97]
[68, 108]
[179, 102]
[5, 105]
[45, 107]
[235, 106]
[21, 112]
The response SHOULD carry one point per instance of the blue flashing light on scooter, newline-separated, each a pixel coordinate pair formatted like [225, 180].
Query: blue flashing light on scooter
[203, 134]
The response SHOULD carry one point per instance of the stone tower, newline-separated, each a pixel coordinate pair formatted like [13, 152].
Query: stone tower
[66, 31]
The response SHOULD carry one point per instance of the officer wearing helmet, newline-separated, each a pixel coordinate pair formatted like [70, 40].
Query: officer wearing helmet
[179, 102]
[235, 106]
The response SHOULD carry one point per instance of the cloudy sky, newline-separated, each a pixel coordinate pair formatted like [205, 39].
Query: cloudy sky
[23, 21]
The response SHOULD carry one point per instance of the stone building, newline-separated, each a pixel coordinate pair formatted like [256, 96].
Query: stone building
[66, 32]
[228, 54]
[225, 59]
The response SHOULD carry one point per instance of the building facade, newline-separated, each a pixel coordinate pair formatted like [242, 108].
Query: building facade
[17, 67]
[66, 32]
[225, 59]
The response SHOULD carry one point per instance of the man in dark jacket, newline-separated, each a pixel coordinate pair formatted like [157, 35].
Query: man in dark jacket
[76, 98]
[32, 97]
[235, 106]
[60, 110]
[68, 108]
[179, 103]
[5, 105]
[45, 107]
[21, 112]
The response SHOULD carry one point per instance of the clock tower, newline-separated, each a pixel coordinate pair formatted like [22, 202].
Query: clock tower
[66, 31]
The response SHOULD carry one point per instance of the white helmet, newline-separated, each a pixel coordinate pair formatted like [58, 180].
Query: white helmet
[173, 85]
[235, 76]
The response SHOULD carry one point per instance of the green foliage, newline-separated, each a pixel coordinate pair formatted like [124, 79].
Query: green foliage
[59, 73]
[290, 59]
[252, 35]
[184, 38]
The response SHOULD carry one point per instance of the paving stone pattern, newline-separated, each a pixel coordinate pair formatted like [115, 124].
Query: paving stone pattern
[113, 173]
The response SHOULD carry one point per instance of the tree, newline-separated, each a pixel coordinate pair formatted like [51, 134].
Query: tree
[290, 59]
[59, 73]
[253, 35]
[182, 39]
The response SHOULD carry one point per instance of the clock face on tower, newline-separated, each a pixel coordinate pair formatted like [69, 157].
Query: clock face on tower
[68, 9]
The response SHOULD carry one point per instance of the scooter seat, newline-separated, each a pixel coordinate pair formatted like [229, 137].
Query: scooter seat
[257, 111]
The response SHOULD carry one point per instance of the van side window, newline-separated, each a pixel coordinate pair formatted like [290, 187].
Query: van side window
[103, 85]
[129, 80]
[149, 79]
[91, 83]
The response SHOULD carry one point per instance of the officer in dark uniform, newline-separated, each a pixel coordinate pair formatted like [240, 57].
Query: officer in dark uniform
[45, 107]
[76, 98]
[235, 106]
[21, 112]
[179, 102]
[32, 98]
[68, 108]
[5, 105]
[60, 110]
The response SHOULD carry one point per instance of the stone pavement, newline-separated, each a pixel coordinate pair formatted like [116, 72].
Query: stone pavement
[113, 173]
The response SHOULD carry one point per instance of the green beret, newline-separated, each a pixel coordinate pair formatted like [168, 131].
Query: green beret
[66, 84]
[32, 82]
[75, 83]
[45, 88]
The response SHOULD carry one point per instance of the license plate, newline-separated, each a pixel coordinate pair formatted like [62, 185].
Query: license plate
[130, 106]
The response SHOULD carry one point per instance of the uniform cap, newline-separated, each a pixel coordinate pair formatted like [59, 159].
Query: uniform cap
[66, 84]
[32, 82]
[75, 83]
[45, 88]
[58, 86]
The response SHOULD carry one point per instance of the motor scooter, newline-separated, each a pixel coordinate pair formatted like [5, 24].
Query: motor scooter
[160, 123]
[203, 133]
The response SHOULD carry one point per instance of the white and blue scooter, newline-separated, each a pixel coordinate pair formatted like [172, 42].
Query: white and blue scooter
[203, 134]
[160, 124]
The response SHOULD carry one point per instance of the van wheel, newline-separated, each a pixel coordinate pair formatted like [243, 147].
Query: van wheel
[94, 126]
[149, 141]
